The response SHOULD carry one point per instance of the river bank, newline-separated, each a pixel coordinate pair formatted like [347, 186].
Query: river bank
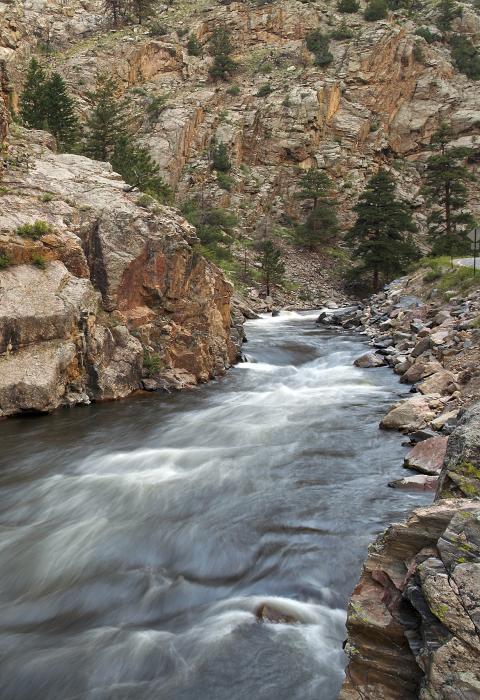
[413, 622]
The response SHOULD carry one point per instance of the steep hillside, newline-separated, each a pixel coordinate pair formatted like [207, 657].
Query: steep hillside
[378, 102]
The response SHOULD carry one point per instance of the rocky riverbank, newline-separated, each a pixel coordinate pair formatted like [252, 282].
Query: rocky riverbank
[431, 340]
[413, 619]
[414, 616]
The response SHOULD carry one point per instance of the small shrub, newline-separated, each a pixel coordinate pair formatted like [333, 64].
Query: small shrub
[156, 105]
[318, 44]
[4, 261]
[342, 32]
[181, 32]
[466, 57]
[35, 230]
[264, 90]
[47, 197]
[152, 363]
[146, 201]
[225, 181]
[157, 29]
[428, 35]
[39, 260]
[432, 276]
[375, 10]
[233, 90]
[418, 54]
[194, 47]
[348, 7]
[220, 159]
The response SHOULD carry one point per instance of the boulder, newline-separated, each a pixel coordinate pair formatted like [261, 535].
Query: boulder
[437, 383]
[427, 456]
[369, 360]
[409, 415]
[419, 370]
[422, 346]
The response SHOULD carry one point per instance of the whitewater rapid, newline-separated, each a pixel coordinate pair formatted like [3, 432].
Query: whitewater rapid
[138, 539]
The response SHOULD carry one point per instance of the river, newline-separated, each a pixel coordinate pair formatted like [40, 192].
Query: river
[138, 538]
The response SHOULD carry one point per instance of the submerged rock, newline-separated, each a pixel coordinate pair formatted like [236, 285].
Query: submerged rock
[267, 613]
[420, 482]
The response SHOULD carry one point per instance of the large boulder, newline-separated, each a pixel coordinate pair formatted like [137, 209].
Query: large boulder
[438, 383]
[419, 370]
[427, 456]
[369, 360]
[409, 415]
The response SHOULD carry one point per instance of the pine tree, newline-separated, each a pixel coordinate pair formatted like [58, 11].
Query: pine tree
[446, 194]
[375, 10]
[448, 10]
[142, 9]
[380, 234]
[61, 119]
[221, 49]
[106, 123]
[270, 258]
[220, 159]
[32, 99]
[321, 224]
[318, 44]
[138, 169]
[194, 47]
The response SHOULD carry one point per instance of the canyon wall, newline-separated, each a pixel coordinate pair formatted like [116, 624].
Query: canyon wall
[109, 295]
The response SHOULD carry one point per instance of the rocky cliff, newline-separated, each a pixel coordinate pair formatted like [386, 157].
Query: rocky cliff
[378, 102]
[105, 291]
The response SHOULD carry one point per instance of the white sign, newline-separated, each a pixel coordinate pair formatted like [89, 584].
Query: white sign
[474, 234]
[475, 246]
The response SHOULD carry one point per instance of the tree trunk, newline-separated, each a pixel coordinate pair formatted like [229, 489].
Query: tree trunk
[376, 282]
[267, 283]
[448, 209]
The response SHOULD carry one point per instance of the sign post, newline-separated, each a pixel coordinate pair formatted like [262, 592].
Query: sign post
[475, 238]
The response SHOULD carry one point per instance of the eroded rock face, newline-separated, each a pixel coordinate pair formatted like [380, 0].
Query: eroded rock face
[117, 282]
[413, 621]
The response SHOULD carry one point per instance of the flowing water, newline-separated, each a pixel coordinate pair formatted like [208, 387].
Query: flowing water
[138, 538]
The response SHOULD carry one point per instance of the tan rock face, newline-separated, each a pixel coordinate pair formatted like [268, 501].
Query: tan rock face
[118, 280]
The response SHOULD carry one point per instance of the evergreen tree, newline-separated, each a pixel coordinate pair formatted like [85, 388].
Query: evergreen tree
[194, 47]
[142, 9]
[321, 224]
[448, 10]
[138, 169]
[32, 99]
[105, 124]
[61, 119]
[220, 159]
[378, 235]
[446, 194]
[221, 49]
[375, 10]
[466, 57]
[270, 258]
[348, 6]
[318, 44]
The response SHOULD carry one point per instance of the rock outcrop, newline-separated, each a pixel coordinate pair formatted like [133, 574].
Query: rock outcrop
[111, 292]
[413, 619]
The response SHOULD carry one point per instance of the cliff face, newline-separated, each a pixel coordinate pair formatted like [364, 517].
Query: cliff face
[414, 617]
[111, 295]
